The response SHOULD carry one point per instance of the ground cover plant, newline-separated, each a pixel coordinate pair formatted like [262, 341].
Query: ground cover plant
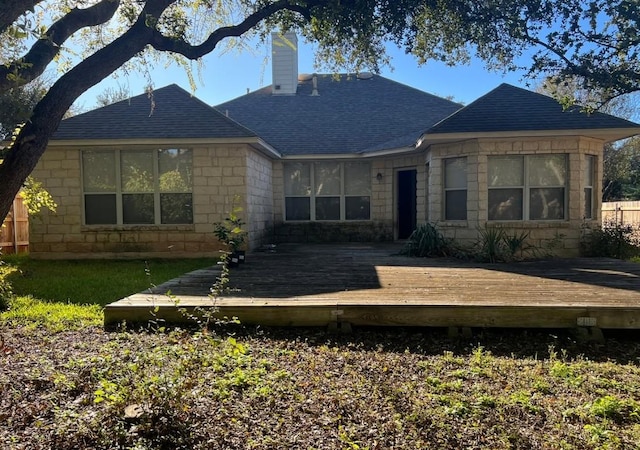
[235, 387]
[374, 389]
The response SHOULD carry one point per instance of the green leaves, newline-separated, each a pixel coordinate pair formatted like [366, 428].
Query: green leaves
[36, 197]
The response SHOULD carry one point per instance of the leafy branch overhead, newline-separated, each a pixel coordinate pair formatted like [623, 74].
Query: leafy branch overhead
[597, 40]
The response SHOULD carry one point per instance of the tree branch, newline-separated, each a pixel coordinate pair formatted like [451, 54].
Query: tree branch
[31, 65]
[33, 138]
[163, 43]
[12, 9]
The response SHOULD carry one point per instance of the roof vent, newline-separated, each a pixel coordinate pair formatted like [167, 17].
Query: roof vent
[314, 92]
[364, 76]
[305, 77]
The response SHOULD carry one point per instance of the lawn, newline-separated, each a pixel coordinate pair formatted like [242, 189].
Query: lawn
[64, 295]
[96, 282]
[235, 387]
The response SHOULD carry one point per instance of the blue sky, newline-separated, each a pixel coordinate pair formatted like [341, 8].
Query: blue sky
[227, 76]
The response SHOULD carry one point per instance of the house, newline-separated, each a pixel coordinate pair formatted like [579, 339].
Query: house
[319, 158]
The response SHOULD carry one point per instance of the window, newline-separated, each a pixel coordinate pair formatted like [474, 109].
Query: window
[589, 176]
[327, 190]
[137, 187]
[531, 187]
[455, 189]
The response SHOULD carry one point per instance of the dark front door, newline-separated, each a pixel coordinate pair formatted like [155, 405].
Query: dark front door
[406, 202]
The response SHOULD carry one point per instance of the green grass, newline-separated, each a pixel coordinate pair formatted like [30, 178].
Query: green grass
[95, 282]
[70, 295]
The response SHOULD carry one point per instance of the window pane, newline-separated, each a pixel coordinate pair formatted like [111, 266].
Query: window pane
[137, 171]
[328, 208]
[176, 208]
[455, 205]
[505, 171]
[100, 209]
[589, 171]
[98, 171]
[547, 170]
[505, 204]
[298, 208]
[327, 178]
[137, 208]
[175, 170]
[357, 208]
[357, 179]
[588, 203]
[455, 173]
[546, 204]
[297, 179]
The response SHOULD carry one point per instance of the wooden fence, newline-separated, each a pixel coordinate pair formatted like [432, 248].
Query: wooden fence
[14, 234]
[626, 213]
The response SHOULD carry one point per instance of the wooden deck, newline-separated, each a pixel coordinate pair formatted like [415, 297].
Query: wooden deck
[318, 285]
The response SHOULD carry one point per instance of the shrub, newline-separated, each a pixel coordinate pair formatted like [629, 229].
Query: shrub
[428, 241]
[612, 240]
[496, 245]
[5, 287]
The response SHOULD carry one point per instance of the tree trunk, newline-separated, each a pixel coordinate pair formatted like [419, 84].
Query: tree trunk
[34, 137]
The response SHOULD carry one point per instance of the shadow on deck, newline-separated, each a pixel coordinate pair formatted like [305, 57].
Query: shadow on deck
[358, 284]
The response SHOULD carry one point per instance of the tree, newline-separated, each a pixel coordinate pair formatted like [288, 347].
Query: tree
[622, 171]
[596, 39]
[621, 160]
[112, 95]
[16, 106]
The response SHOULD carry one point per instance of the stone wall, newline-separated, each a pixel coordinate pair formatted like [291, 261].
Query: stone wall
[564, 236]
[220, 175]
[381, 227]
[325, 232]
[259, 202]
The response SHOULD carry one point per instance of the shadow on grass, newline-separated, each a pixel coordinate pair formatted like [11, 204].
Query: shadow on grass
[94, 282]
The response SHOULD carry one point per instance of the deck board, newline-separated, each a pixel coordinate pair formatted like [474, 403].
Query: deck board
[372, 285]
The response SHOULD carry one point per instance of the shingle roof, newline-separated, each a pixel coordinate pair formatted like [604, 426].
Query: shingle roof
[509, 108]
[349, 115]
[175, 114]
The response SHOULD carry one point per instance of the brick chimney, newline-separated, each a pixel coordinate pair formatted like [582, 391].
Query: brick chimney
[284, 63]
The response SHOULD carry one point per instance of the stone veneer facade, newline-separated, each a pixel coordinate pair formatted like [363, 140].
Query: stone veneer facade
[224, 176]
[381, 227]
[236, 175]
[563, 235]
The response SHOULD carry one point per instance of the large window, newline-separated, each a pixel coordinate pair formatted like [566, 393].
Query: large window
[137, 187]
[455, 189]
[531, 187]
[327, 190]
[589, 177]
